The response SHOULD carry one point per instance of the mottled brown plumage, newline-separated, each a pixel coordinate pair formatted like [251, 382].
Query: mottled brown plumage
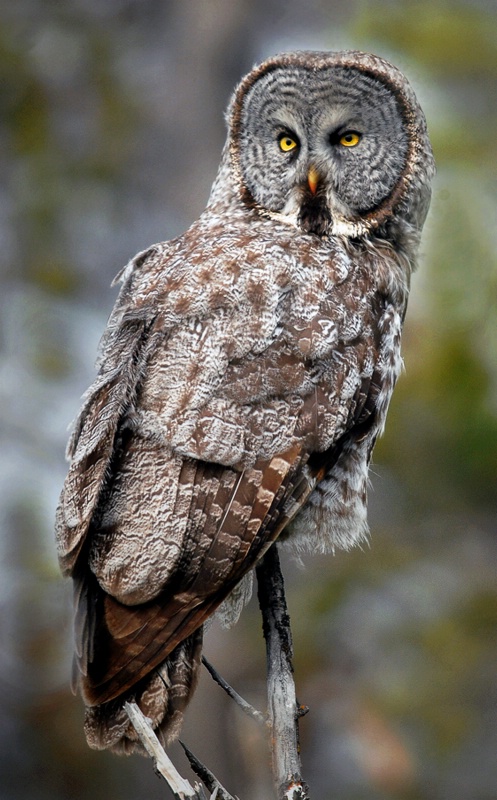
[245, 374]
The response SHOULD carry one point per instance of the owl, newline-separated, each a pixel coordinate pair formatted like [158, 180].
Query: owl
[244, 377]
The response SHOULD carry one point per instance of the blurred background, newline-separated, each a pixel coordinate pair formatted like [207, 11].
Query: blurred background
[110, 134]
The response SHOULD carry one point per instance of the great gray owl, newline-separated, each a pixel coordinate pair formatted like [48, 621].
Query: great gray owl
[245, 374]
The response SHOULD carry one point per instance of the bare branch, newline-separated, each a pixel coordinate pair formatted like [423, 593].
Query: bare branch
[205, 775]
[283, 708]
[246, 707]
[282, 703]
[180, 787]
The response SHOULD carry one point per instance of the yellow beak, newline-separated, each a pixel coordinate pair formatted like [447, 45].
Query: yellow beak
[313, 179]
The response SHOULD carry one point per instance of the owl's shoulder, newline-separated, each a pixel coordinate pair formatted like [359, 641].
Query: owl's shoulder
[243, 261]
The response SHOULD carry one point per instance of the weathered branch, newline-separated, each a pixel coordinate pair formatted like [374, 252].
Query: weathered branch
[283, 709]
[205, 775]
[180, 787]
[282, 703]
[246, 707]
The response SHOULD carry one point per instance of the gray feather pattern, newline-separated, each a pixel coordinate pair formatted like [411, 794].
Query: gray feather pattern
[244, 377]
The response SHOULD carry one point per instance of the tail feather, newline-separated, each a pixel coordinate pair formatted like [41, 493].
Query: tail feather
[162, 697]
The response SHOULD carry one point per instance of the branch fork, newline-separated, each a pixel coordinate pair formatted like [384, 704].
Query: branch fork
[283, 709]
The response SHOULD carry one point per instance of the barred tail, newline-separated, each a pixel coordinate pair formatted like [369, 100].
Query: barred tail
[162, 697]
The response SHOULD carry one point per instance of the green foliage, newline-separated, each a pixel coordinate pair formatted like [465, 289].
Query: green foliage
[448, 38]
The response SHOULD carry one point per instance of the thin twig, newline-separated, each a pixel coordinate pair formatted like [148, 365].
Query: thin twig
[244, 705]
[205, 775]
[282, 703]
[180, 787]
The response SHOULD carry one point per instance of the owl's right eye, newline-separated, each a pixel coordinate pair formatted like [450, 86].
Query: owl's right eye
[288, 143]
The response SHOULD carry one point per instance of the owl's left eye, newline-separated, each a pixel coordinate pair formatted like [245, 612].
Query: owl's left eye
[350, 138]
[288, 143]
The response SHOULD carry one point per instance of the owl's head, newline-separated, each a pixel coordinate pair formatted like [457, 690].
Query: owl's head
[330, 142]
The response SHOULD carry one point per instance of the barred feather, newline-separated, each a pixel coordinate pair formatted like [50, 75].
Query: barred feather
[244, 376]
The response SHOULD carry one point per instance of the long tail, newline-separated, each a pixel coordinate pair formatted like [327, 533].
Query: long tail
[162, 697]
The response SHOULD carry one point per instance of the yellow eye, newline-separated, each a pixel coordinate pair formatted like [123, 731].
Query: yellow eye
[350, 139]
[287, 143]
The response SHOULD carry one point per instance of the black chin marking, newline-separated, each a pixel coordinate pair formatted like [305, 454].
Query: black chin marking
[314, 215]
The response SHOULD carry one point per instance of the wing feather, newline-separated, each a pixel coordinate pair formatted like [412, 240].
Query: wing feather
[199, 443]
[92, 446]
[135, 639]
[124, 349]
